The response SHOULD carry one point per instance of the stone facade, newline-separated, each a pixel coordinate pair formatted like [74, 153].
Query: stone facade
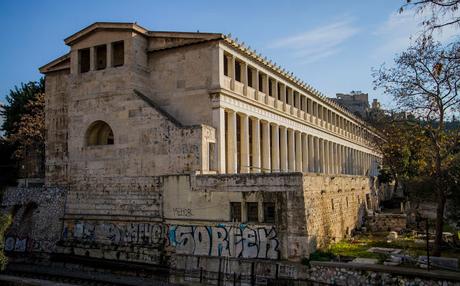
[36, 214]
[174, 144]
[387, 222]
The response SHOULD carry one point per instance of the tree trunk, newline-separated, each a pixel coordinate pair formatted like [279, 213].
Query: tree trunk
[441, 202]
[439, 223]
[396, 185]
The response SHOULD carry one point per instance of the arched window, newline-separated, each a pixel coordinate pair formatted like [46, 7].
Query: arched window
[99, 133]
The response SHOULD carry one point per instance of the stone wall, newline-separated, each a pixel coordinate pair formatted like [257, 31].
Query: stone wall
[56, 121]
[122, 240]
[209, 270]
[122, 197]
[149, 219]
[353, 274]
[181, 79]
[327, 209]
[116, 218]
[37, 214]
[146, 219]
[386, 222]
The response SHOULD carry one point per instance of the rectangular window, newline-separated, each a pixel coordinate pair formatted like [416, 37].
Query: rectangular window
[237, 71]
[84, 60]
[278, 90]
[101, 57]
[270, 87]
[261, 83]
[332, 204]
[269, 212]
[250, 79]
[235, 211]
[118, 54]
[225, 65]
[253, 212]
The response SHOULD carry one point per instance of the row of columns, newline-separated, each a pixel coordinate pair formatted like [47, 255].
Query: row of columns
[248, 144]
[288, 96]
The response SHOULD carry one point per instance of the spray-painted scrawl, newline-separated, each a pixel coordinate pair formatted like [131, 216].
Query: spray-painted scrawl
[120, 234]
[224, 240]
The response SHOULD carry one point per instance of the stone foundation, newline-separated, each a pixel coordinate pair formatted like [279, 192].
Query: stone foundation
[386, 222]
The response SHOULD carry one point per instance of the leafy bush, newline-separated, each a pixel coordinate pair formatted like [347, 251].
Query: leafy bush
[322, 256]
[5, 221]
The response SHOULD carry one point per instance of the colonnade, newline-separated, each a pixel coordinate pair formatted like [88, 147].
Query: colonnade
[251, 82]
[251, 145]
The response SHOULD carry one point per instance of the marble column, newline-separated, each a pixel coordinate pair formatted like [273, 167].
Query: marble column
[321, 155]
[244, 141]
[255, 145]
[298, 151]
[283, 149]
[218, 118]
[326, 157]
[305, 153]
[317, 153]
[291, 150]
[231, 143]
[275, 148]
[266, 147]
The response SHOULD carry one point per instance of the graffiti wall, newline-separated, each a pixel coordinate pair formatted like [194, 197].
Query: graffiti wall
[241, 241]
[125, 233]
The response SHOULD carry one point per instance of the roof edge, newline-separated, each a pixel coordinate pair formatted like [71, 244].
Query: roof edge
[46, 68]
[105, 25]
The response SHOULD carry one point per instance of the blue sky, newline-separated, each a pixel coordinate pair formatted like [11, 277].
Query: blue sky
[331, 45]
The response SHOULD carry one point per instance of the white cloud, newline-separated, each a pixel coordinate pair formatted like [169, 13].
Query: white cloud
[400, 29]
[317, 43]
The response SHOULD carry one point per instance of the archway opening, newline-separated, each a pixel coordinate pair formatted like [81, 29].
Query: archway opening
[99, 133]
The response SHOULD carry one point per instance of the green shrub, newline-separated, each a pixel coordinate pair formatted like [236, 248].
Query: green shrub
[5, 221]
[322, 256]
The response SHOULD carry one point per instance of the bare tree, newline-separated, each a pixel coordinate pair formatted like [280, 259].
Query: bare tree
[425, 81]
[442, 13]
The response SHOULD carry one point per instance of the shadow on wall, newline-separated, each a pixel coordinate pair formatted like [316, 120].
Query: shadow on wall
[17, 235]
[333, 215]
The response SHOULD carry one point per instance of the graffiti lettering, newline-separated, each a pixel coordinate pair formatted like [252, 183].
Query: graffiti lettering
[25, 244]
[287, 271]
[221, 240]
[119, 234]
[182, 212]
[242, 241]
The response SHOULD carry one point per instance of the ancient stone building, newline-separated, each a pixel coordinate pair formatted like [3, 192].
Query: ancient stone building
[175, 144]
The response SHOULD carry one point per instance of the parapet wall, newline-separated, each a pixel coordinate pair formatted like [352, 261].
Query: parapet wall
[152, 219]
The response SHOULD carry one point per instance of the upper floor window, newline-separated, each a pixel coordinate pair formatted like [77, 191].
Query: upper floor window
[101, 57]
[226, 65]
[253, 212]
[269, 212]
[84, 60]
[238, 67]
[99, 133]
[235, 211]
[118, 54]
